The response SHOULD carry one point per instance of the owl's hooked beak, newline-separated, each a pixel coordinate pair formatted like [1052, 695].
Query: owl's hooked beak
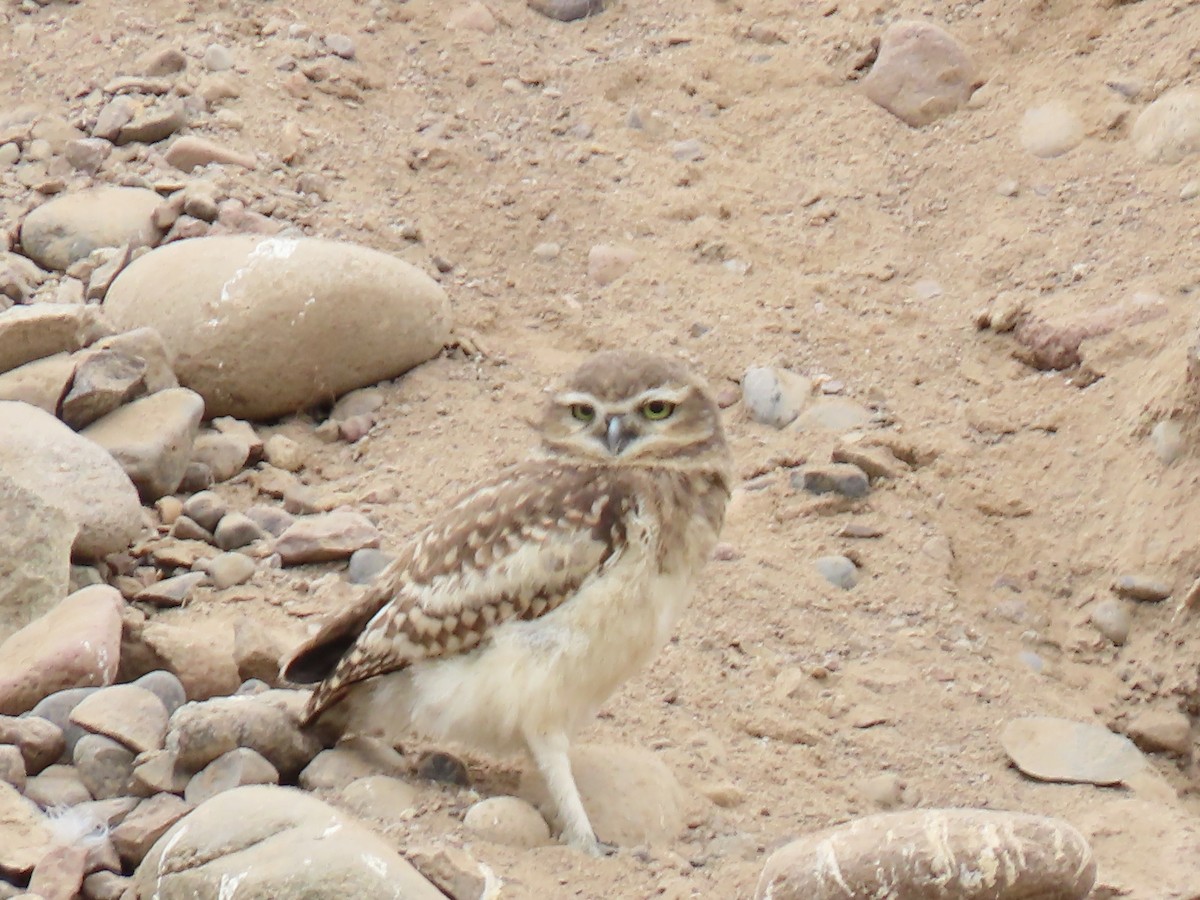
[617, 436]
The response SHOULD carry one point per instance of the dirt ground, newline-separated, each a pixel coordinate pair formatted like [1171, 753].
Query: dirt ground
[870, 248]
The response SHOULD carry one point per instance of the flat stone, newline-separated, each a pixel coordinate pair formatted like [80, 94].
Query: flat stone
[255, 324]
[139, 830]
[236, 768]
[836, 478]
[321, 538]
[103, 381]
[158, 772]
[174, 591]
[154, 122]
[1051, 749]
[128, 714]
[33, 332]
[76, 644]
[257, 834]
[453, 870]
[876, 462]
[106, 886]
[152, 439]
[57, 786]
[190, 152]
[224, 454]
[72, 225]
[1141, 587]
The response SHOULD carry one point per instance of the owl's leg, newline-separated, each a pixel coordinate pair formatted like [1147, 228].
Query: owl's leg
[549, 752]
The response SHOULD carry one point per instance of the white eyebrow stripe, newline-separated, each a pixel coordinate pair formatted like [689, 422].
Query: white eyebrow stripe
[570, 398]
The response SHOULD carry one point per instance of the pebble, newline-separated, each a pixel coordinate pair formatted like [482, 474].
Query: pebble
[225, 455]
[175, 591]
[238, 767]
[995, 855]
[260, 832]
[1055, 344]
[126, 713]
[472, 17]
[1168, 130]
[153, 123]
[161, 61]
[166, 687]
[921, 74]
[39, 741]
[838, 571]
[12, 766]
[142, 827]
[284, 453]
[237, 530]
[774, 396]
[330, 536]
[1190, 191]
[40, 384]
[690, 150]
[837, 478]
[454, 871]
[833, 414]
[190, 152]
[69, 227]
[152, 439]
[567, 10]
[57, 709]
[217, 58]
[366, 564]
[104, 766]
[1111, 618]
[607, 263]
[230, 569]
[1162, 731]
[444, 768]
[547, 252]
[876, 462]
[205, 508]
[112, 118]
[87, 155]
[103, 381]
[57, 785]
[885, 790]
[380, 797]
[1051, 130]
[631, 795]
[76, 644]
[1168, 441]
[1051, 749]
[144, 344]
[340, 45]
[155, 773]
[25, 836]
[1141, 587]
[355, 316]
[35, 546]
[350, 761]
[508, 820]
[724, 794]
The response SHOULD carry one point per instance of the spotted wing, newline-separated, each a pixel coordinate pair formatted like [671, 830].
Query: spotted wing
[517, 547]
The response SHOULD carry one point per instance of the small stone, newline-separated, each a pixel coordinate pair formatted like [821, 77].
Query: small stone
[349, 761]
[68, 228]
[162, 61]
[607, 263]
[154, 123]
[567, 10]
[138, 831]
[774, 396]
[284, 453]
[1008, 187]
[381, 797]
[321, 538]
[39, 740]
[355, 428]
[104, 766]
[838, 571]
[230, 569]
[217, 58]
[225, 455]
[547, 252]
[229, 770]
[236, 530]
[128, 714]
[201, 659]
[271, 519]
[724, 794]
[837, 478]
[88, 154]
[166, 687]
[112, 118]
[106, 886]
[1162, 731]
[690, 150]
[921, 73]
[175, 591]
[187, 529]
[157, 773]
[57, 786]
[885, 791]
[1111, 618]
[12, 766]
[1168, 130]
[1051, 130]
[1168, 440]
[1141, 587]
[57, 709]
[189, 152]
[340, 45]
[205, 508]
[876, 462]
[59, 874]
[1190, 191]
[455, 872]
[508, 820]
[366, 564]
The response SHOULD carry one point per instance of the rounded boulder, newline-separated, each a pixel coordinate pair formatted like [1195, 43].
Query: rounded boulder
[69, 227]
[262, 327]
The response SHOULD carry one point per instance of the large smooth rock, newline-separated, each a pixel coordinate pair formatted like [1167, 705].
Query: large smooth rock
[631, 796]
[35, 555]
[43, 455]
[35, 332]
[72, 225]
[275, 842]
[152, 439]
[76, 644]
[261, 327]
[968, 854]
[1168, 130]
[921, 74]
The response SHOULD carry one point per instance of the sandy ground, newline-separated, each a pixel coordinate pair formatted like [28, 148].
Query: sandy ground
[870, 248]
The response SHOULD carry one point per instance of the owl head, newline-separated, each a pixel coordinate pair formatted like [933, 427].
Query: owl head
[633, 408]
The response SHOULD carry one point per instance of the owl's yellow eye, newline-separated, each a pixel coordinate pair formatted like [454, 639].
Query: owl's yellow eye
[584, 412]
[657, 409]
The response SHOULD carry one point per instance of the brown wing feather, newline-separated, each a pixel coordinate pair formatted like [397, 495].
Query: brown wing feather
[518, 546]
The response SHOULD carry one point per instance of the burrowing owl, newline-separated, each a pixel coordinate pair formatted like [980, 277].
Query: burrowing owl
[508, 620]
